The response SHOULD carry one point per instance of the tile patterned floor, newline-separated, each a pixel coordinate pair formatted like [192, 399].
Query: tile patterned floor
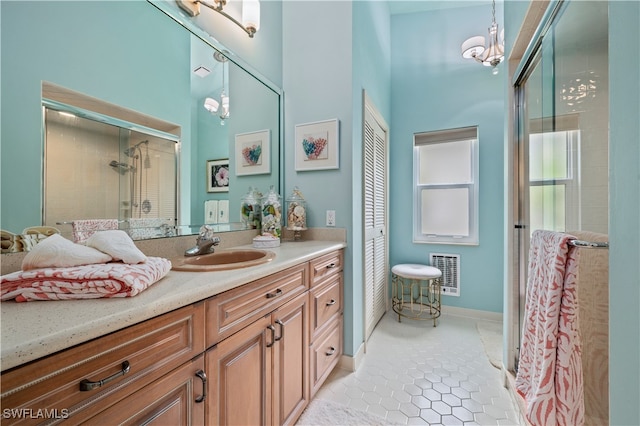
[416, 374]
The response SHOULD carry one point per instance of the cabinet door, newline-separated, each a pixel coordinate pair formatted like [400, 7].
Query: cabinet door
[291, 360]
[176, 399]
[240, 381]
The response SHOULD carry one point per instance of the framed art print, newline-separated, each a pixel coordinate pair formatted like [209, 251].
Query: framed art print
[218, 175]
[253, 153]
[317, 145]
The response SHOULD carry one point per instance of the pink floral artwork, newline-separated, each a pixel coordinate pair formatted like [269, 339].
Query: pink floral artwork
[222, 176]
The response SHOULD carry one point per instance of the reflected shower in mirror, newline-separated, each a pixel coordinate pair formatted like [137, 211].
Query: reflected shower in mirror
[99, 168]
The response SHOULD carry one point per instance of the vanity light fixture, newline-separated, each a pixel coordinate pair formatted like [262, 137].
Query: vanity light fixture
[250, 22]
[491, 56]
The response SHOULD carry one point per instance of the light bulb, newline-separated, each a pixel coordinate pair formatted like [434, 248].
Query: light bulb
[251, 14]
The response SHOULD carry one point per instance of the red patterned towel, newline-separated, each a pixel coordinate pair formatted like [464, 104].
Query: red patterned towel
[550, 368]
[83, 282]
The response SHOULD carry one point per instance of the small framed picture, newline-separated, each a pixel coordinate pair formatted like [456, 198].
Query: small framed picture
[218, 175]
[253, 153]
[317, 145]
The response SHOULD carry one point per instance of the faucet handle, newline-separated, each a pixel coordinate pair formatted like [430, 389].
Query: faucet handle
[206, 232]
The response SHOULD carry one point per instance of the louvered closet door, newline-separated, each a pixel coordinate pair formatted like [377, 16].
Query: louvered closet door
[375, 221]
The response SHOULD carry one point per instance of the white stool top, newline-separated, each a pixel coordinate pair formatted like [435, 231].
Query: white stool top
[416, 271]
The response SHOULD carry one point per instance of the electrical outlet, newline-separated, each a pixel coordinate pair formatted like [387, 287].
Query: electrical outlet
[331, 218]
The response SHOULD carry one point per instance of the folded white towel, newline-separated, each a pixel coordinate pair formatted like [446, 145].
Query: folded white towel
[118, 244]
[57, 251]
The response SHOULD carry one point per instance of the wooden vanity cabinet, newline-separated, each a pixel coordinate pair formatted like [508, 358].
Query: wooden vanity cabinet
[137, 360]
[261, 372]
[253, 355]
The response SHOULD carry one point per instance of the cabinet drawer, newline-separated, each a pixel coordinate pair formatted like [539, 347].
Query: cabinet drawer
[230, 311]
[170, 400]
[54, 383]
[326, 303]
[325, 266]
[325, 353]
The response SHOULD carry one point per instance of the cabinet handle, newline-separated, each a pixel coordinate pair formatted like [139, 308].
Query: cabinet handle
[331, 265]
[276, 293]
[332, 302]
[273, 335]
[281, 324]
[331, 351]
[202, 377]
[87, 385]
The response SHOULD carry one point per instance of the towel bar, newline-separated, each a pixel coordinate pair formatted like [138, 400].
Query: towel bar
[588, 244]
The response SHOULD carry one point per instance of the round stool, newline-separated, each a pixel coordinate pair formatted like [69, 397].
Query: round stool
[416, 291]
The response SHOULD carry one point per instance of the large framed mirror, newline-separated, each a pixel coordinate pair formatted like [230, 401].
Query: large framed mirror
[141, 59]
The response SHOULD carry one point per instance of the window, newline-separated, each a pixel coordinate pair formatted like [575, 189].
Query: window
[552, 180]
[445, 170]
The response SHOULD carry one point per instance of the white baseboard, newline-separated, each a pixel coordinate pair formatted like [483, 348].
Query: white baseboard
[471, 313]
[351, 363]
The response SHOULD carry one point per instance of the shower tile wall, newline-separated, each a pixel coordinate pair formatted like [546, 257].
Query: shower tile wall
[79, 156]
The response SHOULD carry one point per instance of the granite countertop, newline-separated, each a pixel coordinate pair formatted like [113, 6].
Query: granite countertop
[31, 330]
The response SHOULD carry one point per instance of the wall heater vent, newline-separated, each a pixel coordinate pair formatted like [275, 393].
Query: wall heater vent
[449, 264]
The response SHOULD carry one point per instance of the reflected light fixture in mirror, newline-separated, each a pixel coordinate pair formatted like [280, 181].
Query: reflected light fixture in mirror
[491, 56]
[213, 105]
[250, 21]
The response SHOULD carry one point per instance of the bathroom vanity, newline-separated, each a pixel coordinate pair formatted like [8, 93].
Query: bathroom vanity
[247, 346]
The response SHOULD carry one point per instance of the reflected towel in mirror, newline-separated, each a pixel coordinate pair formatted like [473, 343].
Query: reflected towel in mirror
[83, 229]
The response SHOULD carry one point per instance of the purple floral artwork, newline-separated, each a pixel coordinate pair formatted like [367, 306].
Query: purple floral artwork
[315, 146]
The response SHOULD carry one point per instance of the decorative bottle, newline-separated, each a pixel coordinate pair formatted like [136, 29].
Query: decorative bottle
[296, 211]
[250, 210]
[272, 214]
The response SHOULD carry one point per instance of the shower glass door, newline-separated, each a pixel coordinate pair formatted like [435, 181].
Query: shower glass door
[562, 144]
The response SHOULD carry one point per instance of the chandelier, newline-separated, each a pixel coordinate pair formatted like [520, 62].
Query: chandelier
[212, 105]
[491, 55]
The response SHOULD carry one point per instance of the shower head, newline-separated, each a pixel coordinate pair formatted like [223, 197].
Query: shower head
[131, 151]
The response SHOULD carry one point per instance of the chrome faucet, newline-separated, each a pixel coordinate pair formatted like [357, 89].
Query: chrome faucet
[205, 242]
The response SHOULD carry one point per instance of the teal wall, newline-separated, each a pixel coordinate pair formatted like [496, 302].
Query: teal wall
[371, 73]
[122, 58]
[624, 213]
[434, 88]
[317, 81]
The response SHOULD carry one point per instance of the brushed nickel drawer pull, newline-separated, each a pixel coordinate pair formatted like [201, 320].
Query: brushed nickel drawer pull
[332, 302]
[202, 377]
[87, 385]
[331, 351]
[277, 293]
[331, 265]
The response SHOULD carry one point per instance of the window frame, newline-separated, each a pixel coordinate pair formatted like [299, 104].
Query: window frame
[438, 137]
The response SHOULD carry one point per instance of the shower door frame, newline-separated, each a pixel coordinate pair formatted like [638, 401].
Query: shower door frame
[519, 235]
